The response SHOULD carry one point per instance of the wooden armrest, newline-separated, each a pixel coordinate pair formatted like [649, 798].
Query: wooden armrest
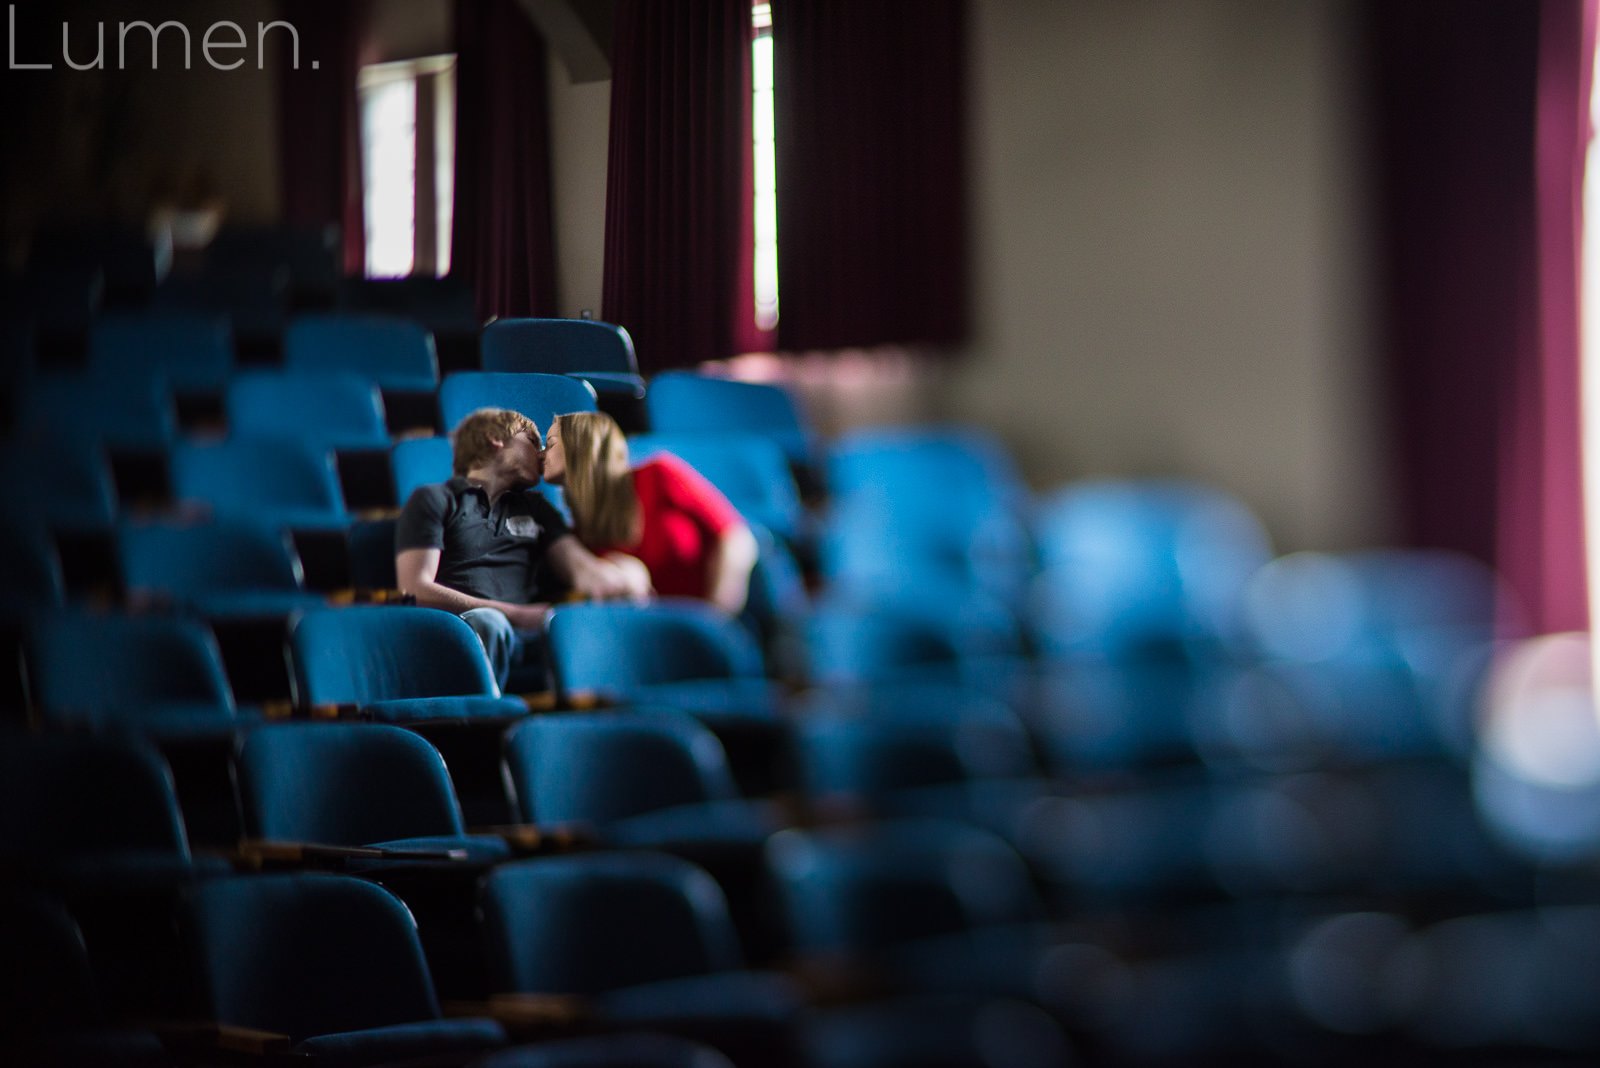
[210, 1034]
[542, 837]
[526, 1012]
[578, 701]
[340, 598]
[258, 852]
[838, 978]
[346, 710]
[377, 513]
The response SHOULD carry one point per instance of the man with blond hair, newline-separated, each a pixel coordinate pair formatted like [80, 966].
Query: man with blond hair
[489, 547]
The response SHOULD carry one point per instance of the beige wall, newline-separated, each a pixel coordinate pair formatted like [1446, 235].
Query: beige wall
[1169, 252]
[579, 122]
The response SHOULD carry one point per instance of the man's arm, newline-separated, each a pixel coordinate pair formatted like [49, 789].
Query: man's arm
[589, 575]
[728, 566]
[417, 571]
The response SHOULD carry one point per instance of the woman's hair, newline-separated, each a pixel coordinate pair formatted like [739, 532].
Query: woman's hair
[475, 437]
[598, 483]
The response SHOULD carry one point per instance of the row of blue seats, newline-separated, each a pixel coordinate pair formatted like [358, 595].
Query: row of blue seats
[936, 907]
[909, 749]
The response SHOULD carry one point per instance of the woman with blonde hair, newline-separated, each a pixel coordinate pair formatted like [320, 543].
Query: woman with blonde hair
[662, 513]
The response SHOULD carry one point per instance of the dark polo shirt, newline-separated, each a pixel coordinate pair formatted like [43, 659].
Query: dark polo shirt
[498, 552]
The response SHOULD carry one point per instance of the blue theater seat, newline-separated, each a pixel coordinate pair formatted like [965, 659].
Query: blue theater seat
[647, 938]
[394, 353]
[331, 409]
[540, 397]
[1134, 566]
[192, 352]
[65, 480]
[643, 1050]
[225, 568]
[330, 961]
[53, 1014]
[936, 907]
[599, 353]
[125, 410]
[675, 653]
[682, 403]
[398, 664]
[919, 750]
[640, 778]
[84, 811]
[156, 675]
[268, 479]
[353, 784]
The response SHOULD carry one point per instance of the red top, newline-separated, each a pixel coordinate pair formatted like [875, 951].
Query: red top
[683, 516]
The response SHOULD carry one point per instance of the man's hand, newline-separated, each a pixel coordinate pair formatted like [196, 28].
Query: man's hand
[594, 578]
[526, 616]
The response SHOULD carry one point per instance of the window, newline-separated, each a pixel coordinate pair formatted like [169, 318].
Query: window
[408, 165]
[766, 171]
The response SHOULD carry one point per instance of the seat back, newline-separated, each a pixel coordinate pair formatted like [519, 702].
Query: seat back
[66, 481]
[750, 470]
[1127, 564]
[116, 668]
[344, 784]
[30, 572]
[540, 397]
[947, 463]
[371, 552]
[76, 796]
[443, 305]
[590, 923]
[124, 410]
[615, 648]
[333, 408]
[394, 353]
[191, 351]
[369, 653]
[309, 255]
[44, 973]
[130, 262]
[603, 767]
[557, 346]
[681, 402]
[259, 476]
[306, 955]
[868, 741]
[898, 635]
[876, 885]
[419, 462]
[180, 560]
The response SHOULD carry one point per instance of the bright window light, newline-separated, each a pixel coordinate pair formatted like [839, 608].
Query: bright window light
[766, 171]
[407, 223]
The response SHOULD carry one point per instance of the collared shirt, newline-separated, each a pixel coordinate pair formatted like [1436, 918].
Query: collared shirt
[492, 551]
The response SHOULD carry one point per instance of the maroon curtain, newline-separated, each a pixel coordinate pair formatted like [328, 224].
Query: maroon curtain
[1541, 507]
[676, 191]
[872, 236]
[503, 241]
[319, 127]
[1478, 111]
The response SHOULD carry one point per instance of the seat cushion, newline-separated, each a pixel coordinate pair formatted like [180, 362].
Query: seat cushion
[413, 1041]
[416, 709]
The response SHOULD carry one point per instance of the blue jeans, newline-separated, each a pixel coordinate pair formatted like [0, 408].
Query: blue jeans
[516, 657]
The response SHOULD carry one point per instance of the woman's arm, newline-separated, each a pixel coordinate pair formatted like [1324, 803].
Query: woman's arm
[728, 566]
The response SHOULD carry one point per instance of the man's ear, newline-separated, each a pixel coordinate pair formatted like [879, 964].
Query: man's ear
[497, 443]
